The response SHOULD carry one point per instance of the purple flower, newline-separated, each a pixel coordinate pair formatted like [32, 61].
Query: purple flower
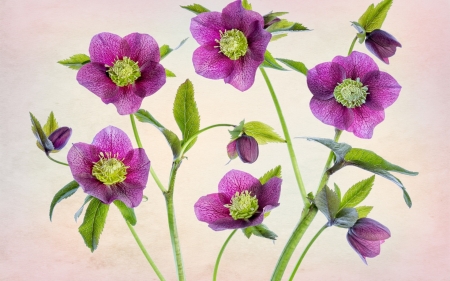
[366, 236]
[233, 44]
[350, 93]
[241, 201]
[110, 169]
[123, 71]
[382, 44]
[246, 147]
[60, 137]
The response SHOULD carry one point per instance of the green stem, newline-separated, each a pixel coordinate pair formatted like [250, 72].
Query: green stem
[56, 161]
[325, 175]
[306, 251]
[144, 251]
[294, 162]
[216, 267]
[352, 46]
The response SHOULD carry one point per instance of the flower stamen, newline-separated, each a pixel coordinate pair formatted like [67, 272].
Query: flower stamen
[124, 72]
[232, 44]
[243, 205]
[109, 170]
[351, 93]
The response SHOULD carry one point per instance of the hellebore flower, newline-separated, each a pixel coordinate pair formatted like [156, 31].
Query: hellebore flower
[233, 44]
[241, 201]
[382, 44]
[123, 71]
[366, 236]
[350, 93]
[246, 147]
[110, 169]
[60, 137]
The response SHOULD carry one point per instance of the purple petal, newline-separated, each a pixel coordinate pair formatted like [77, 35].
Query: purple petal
[230, 223]
[369, 229]
[153, 77]
[243, 75]
[364, 248]
[130, 194]
[143, 48]
[127, 102]
[237, 181]
[269, 193]
[247, 149]
[257, 42]
[332, 113]
[209, 63]
[323, 79]
[60, 137]
[382, 44]
[234, 16]
[357, 65]
[205, 27]
[231, 150]
[81, 157]
[106, 47]
[138, 167]
[383, 90]
[114, 140]
[210, 208]
[93, 76]
[364, 121]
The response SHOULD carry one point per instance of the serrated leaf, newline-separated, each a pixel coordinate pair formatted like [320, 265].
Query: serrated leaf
[260, 231]
[237, 130]
[357, 193]
[51, 125]
[186, 113]
[270, 62]
[195, 8]
[338, 191]
[169, 73]
[262, 133]
[76, 61]
[63, 193]
[171, 138]
[278, 36]
[93, 223]
[285, 26]
[346, 218]
[80, 210]
[39, 133]
[275, 172]
[246, 5]
[127, 213]
[374, 16]
[295, 65]
[328, 203]
[363, 211]
[165, 50]
[271, 16]
[339, 149]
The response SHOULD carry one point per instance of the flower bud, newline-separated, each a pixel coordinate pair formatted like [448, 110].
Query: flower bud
[231, 150]
[247, 149]
[60, 137]
[382, 44]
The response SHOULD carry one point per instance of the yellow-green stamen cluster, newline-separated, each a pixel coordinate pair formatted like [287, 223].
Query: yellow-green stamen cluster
[243, 205]
[232, 43]
[109, 170]
[124, 72]
[351, 93]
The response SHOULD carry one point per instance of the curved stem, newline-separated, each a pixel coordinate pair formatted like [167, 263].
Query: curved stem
[352, 46]
[216, 267]
[331, 156]
[306, 251]
[56, 161]
[298, 176]
[144, 251]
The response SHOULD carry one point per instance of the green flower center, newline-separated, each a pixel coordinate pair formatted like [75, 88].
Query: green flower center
[109, 170]
[232, 43]
[243, 205]
[351, 93]
[124, 72]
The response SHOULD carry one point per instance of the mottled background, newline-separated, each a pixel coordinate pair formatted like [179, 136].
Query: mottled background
[36, 34]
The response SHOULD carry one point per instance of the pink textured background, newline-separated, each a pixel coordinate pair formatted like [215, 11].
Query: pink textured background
[36, 34]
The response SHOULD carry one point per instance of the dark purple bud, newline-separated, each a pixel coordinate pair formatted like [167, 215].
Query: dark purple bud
[231, 150]
[366, 236]
[266, 25]
[247, 149]
[382, 44]
[60, 137]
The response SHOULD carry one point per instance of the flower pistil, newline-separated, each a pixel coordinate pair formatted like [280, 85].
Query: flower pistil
[124, 72]
[232, 43]
[109, 170]
[243, 205]
[351, 93]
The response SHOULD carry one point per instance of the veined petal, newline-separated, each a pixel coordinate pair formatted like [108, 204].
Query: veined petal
[383, 90]
[356, 65]
[364, 121]
[209, 63]
[113, 140]
[269, 193]
[138, 167]
[234, 16]
[106, 47]
[324, 78]
[60, 137]
[237, 181]
[382, 44]
[230, 223]
[153, 77]
[210, 208]
[206, 27]
[231, 150]
[364, 248]
[143, 48]
[258, 41]
[81, 157]
[128, 102]
[369, 229]
[129, 193]
[93, 76]
[332, 113]
[243, 75]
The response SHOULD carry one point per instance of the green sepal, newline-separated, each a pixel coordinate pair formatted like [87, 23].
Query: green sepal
[65, 192]
[262, 133]
[195, 8]
[286, 26]
[363, 211]
[357, 193]
[295, 65]
[361, 33]
[76, 61]
[93, 223]
[328, 203]
[80, 210]
[346, 218]
[338, 192]
[164, 50]
[42, 138]
[172, 139]
[127, 213]
[270, 62]
[374, 16]
[278, 36]
[271, 16]
[169, 73]
[275, 172]
[246, 5]
[186, 113]
[237, 130]
[260, 231]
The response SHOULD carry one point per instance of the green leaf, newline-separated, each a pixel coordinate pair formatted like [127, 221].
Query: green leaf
[76, 61]
[172, 139]
[338, 191]
[346, 218]
[80, 210]
[285, 26]
[328, 203]
[169, 73]
[93, 223]
[51, 124]
[63, 193]
[374, 16]
[237, 131]
[275, 172]
[361, 33]
[339, 149]
[271, 16]
[246, 5]
[127, 213]
[295, 65]
[186, 113]
[278, 36]
[164, 50]
[262, 133]
[195, 8]
[43, 142]
[357, 193]
[270, 62]
[261, 231]
[363, 211]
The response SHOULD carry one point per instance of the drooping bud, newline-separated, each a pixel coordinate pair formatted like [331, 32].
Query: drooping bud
[382, 44]
[247, 149]
[60, 137]
[231, 150]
